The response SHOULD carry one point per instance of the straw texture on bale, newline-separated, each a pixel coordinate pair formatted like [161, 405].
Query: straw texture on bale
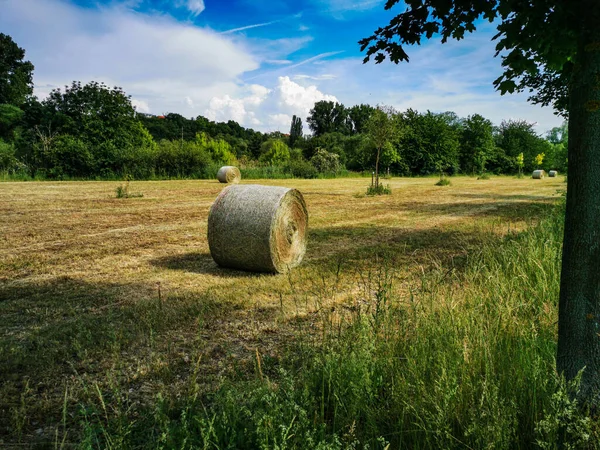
[258, 228]
[538, 174]
[552, 173]
[229, 174]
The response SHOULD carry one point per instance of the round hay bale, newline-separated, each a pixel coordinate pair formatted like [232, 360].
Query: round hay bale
[538, 174]
[552, 173]
[258, 228]
[229, 174]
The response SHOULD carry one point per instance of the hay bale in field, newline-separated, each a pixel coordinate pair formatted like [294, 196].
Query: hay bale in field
[258, 228]
[552, 173]
[538, 174]
[229, 174]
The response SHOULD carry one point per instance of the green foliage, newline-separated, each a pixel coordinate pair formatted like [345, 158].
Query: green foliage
[10, 117]
[518, 136]
[443, 182]
[16, 75]
[8, 161]
[476, 143]
[383, 127]
[563, 419]
[176, 159]
[67, 156]
[219, 149]
[358, 117]
[325, 162]
[300, 168]
[379, 190]
[430, 143]
[328, 117]
[274, 152]
[100, 117]
[122, 191]
[295, 130]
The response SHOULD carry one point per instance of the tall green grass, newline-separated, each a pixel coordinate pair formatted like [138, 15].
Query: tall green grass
[465, 360]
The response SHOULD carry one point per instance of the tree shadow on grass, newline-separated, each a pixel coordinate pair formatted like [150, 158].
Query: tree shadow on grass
[512, 197]
[507, 209]
[446, 240]
[200, 263]
[68, 330]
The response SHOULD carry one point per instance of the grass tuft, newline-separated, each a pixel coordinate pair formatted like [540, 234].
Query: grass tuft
[379, 190]
[122, 191]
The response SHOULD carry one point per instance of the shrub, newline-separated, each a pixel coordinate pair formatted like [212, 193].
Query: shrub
[70, 156]
[301, 169]
[443, 182]
[274, 152]
[325, 161]
[8, 161]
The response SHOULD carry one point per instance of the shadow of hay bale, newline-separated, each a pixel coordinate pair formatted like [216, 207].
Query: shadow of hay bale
[200, 263]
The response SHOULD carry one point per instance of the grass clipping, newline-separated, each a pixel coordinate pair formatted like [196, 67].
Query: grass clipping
[229, 174]
[258, 228]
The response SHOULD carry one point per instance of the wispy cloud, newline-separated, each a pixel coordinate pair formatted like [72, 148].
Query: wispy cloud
[278, 62]
[263, 24]
[249, 27]
[340, 9]
[325, 76]
[314, 58]
[195, 6]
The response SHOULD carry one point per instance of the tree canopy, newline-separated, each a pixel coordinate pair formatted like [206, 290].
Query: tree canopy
[16, 75]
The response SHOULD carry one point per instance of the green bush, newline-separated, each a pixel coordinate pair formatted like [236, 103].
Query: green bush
[301, 168]
[325, 162]
[8, 161]
[274, 152]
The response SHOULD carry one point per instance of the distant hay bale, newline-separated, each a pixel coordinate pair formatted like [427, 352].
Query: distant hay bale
[229, 174]
[552, 173]
[538, 174]
[258, 228]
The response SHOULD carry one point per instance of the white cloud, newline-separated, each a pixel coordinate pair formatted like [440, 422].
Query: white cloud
[456, 76]
[140, 105]
[267, 109]
[167, 65]
[195, 6]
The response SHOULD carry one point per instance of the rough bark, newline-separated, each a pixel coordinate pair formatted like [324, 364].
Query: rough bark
[579, 305]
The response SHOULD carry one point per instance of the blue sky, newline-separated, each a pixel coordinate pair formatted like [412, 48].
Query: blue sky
[256, 62]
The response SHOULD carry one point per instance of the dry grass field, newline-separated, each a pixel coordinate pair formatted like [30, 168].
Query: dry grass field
[103, 293]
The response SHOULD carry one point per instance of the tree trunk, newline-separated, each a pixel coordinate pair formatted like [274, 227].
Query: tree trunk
[579, 305]
[377, 169]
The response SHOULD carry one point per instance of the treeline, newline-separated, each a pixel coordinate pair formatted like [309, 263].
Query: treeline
[92, 131]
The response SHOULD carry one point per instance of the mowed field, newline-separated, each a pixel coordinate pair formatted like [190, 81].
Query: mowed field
[100, 294]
